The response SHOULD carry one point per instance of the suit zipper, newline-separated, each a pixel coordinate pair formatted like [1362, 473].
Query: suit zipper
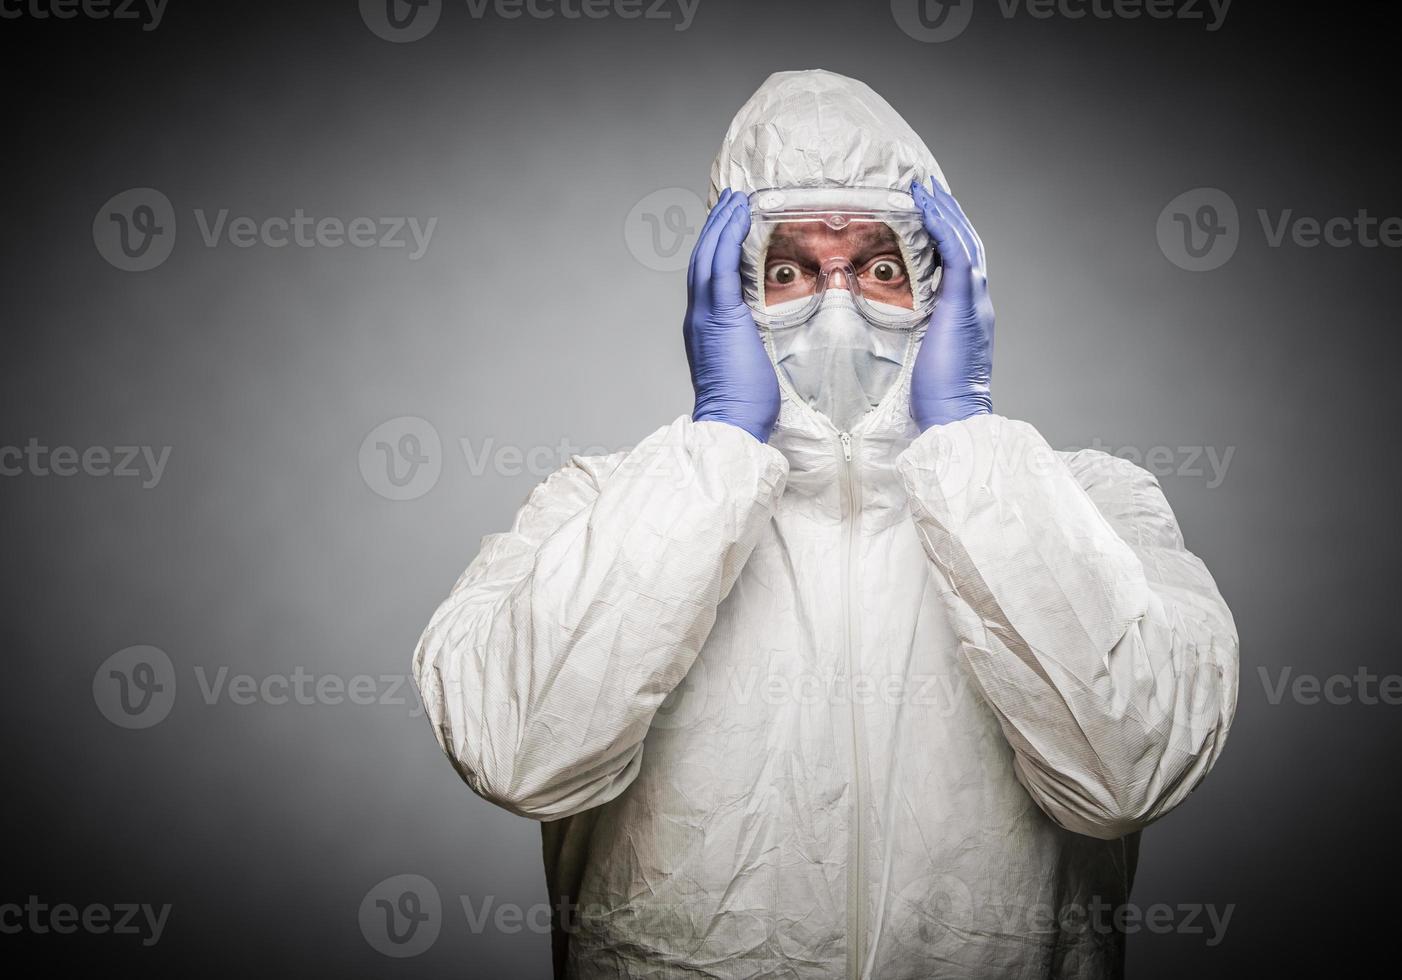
[856, 865]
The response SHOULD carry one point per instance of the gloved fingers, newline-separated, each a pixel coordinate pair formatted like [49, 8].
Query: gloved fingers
[956, 211]
[954, 215]
[697, 249]
[725, 266]
[955, 253]
[710, 235]
[711, 217]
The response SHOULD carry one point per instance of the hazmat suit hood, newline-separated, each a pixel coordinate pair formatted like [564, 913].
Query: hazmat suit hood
[819, 129]
[816, 129]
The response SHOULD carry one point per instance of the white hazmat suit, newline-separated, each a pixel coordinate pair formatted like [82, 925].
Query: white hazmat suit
[925, 689]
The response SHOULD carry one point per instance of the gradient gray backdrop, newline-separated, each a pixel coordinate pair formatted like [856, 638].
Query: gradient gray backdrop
[529, 320]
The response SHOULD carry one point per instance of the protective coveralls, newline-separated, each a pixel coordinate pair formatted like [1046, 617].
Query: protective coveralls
[922, 690]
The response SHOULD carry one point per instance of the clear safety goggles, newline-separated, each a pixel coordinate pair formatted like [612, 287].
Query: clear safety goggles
[870, 242]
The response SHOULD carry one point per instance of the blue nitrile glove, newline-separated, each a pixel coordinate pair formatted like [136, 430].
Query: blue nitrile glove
[730, 370]
[953, 372]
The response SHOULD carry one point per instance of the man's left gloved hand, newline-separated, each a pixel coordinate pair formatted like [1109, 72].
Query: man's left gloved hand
[953, 372]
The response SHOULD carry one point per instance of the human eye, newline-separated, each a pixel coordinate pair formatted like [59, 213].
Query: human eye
[886, 270]
[782, 273]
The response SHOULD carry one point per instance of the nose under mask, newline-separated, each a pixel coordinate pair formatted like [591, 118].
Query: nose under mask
[838, 363]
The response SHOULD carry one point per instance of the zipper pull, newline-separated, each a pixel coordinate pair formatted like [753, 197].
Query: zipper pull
[846, 439]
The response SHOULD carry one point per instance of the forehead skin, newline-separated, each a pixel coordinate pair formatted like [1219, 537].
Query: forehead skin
[813, 242]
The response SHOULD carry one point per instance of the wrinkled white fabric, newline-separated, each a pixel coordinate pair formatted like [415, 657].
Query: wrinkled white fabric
[817, 128]
[787, 713]
[837, 362]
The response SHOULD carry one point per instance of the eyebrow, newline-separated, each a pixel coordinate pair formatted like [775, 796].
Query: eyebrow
[864, 238]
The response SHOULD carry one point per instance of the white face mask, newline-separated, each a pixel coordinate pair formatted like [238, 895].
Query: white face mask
[839, 363]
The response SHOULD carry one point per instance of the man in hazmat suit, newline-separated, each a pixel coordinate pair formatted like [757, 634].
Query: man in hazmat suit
[925, 679]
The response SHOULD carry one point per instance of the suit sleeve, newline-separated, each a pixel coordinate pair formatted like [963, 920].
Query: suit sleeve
[1099, 641]
[542, 670]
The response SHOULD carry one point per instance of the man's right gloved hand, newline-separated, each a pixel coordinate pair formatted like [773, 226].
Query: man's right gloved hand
[730, 369]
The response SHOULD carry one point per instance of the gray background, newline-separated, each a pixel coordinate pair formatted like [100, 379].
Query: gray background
[529, 320]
